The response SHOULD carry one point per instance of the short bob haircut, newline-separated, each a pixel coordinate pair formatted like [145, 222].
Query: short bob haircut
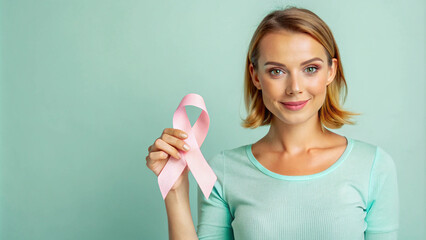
[297, 20]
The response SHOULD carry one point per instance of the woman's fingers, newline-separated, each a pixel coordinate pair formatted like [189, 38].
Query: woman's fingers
[155, 156]
[168, 144]
[160, 144]
[175, 132]
[176, 142]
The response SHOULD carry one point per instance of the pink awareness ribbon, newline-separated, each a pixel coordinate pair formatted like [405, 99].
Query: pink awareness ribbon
[198, 166]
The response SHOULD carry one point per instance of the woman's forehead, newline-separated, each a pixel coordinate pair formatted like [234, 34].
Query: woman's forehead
[289, 47]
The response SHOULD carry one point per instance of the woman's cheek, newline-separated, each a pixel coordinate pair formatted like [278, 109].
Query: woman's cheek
[271, 85]
[274, 89]
[316, 86]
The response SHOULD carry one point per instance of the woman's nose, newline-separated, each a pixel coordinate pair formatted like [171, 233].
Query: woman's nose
[293, 85]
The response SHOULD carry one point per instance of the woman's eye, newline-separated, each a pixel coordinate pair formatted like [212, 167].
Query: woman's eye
[311, 69]
[275, 72]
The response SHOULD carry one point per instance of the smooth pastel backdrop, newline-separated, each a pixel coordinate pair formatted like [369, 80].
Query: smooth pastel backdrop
[87, 86]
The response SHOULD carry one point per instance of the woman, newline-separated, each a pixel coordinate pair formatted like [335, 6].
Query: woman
[301, 180]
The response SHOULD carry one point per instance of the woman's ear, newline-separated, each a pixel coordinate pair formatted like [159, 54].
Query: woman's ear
[332, 70]
[254, 78]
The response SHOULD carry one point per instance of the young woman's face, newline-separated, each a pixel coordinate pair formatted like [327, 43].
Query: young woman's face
[292, 67]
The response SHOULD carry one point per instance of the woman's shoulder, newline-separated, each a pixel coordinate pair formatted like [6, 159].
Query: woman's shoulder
[362, 143]
[225, 157]
[226, 160]
[231, 152]
[366, 145]
[378, 154]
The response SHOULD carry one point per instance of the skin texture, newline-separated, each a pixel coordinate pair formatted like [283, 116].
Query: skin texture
[295, 144]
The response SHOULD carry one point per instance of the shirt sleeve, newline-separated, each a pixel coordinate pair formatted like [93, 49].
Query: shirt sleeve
[214, 217]
[382, 216]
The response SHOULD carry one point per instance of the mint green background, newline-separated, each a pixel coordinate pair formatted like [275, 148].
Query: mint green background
[87, 86]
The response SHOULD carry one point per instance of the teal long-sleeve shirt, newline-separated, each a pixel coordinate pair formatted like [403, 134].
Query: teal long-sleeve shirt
[355, 198]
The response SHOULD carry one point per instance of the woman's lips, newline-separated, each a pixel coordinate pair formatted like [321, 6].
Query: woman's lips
[295, 105]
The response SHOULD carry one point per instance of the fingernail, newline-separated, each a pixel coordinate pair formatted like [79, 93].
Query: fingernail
[179, 156]
[186, 147]
[183, 135]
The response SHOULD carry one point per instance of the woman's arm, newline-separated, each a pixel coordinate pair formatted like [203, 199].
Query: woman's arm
[214, 215]
[382, 216]
[178, 210]
[177, 200]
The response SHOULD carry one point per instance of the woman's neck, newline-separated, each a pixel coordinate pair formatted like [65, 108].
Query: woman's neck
[295, 138]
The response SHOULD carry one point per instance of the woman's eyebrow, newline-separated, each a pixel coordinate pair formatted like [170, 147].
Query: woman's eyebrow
[303, 63]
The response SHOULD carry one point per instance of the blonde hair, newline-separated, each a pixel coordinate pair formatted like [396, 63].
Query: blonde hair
[298, 20]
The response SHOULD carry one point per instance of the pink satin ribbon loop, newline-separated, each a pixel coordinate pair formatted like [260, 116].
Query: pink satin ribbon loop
[194, 159]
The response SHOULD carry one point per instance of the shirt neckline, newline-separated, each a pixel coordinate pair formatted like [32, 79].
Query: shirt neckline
[342, 158]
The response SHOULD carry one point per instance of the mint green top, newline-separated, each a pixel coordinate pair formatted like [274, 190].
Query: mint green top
[355, 198]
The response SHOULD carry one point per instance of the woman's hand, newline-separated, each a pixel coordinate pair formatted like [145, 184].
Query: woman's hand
[168, 144]
[178, 209]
